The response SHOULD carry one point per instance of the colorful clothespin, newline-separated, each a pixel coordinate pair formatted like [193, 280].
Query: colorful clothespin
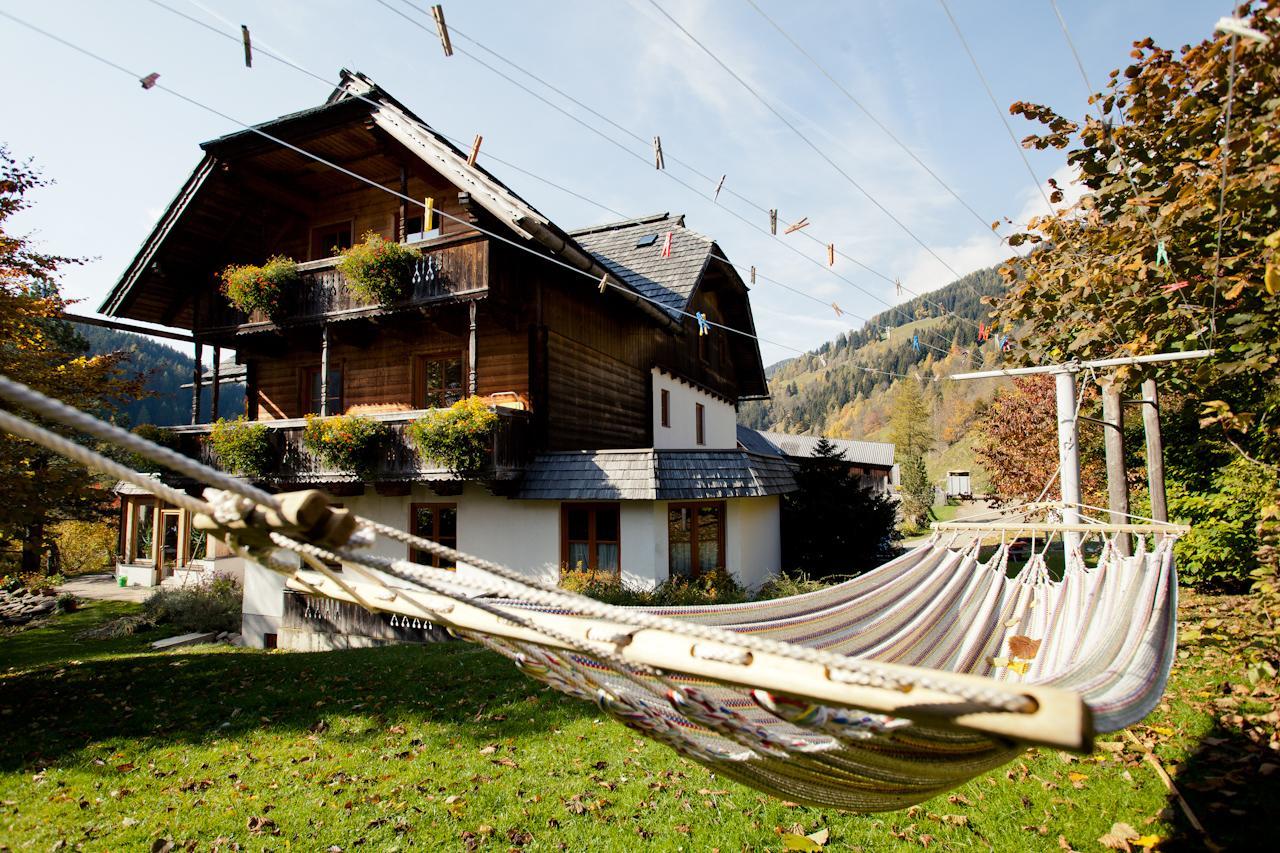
[248, 46]
[604, 282]
[1173, 287]
[703, 328]
[897, 284]
[657, 153]
[719, 187]
[1162, 254]
[773, 221]
[475, 150]
[666, 244]
[753, 275]
[915, 342]
[983, 332]
[797, 225]
[150, 80]
[1005, 343]
[831, 254]
[839, 313]
[822, 359]
[429, 216]
[437, 12]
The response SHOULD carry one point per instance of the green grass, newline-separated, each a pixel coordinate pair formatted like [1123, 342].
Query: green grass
[110, 746]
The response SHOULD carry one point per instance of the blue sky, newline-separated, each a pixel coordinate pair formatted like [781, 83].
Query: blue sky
[119, 153]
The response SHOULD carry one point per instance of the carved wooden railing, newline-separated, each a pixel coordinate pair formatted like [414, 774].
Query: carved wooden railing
[397, 461]
[443, 272]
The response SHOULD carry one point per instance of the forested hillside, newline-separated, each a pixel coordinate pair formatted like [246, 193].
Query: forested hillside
[843, 388]
[166, 370]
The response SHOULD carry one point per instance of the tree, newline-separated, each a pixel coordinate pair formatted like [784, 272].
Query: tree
[40, 350]
[912, 431]
[1150, 259]
[831, 524]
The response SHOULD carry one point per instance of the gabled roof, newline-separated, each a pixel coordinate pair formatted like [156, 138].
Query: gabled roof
[632, 251]
[650, 474]
[877, 453]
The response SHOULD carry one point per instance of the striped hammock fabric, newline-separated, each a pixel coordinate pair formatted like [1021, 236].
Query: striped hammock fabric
[1105, 632]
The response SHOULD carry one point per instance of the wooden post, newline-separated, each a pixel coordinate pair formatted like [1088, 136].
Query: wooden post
[196, 377]
[1155, 450]
[251, 391]
[1113, 438]
[1068, 456]
[216, 387]
[471, 352]
[324, 370]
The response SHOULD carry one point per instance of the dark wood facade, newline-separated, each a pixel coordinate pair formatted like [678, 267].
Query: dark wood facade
[525, 330]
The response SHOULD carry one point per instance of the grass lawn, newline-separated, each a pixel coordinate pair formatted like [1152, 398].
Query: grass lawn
[108, 746]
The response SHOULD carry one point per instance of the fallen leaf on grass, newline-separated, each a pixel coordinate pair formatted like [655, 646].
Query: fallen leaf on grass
[1121, 837]
[812, 841]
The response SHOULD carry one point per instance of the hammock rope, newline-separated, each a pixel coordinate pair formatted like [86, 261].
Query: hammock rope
[869, 695]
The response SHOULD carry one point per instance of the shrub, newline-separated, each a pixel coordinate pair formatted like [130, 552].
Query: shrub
[243, 447]
[86, 546]
[345, 442]
[377, 269]
[156, 435]
[789, 584]
[251, 288]
[718, 587]
[457, 437]
[212, 604]
[1220, 551]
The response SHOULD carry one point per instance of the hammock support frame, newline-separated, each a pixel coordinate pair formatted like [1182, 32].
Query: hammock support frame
[1059, 718]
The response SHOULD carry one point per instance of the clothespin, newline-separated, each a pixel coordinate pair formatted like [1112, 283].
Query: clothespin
[1005, 343]
[831, 254]
[150, 80]
[1162, 254]
[983, 332]
[719, 187]
[475, 150]
[839, 313]
[604, 282]
[822, 359]
[897, 284]
[1173, 286]
[797, 225]
[429, 217]
[753, 275]
[437, 12]
[248, 46]
[1237, 27]
[703, 328]
[657, 153]
[666, 244]
[773, 221]
[915, 342]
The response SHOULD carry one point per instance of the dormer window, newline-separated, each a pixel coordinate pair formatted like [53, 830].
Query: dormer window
[646, 240]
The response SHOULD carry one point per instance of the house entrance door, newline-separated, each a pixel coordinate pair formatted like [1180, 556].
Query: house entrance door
[170, 523]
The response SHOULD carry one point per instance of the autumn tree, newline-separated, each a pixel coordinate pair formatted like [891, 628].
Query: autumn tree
[40, 350]
[911, 428]
[1176, 244]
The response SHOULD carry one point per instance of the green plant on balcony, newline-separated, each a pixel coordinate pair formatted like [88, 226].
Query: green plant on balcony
[243, 447]
[458, 437]
[377, 269]
[345, 442]
[156, 435]
[250, 287]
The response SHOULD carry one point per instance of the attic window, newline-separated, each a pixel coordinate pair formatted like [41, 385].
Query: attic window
[646, 240]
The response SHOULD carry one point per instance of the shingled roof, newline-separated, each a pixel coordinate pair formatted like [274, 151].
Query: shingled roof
[876, 453]
[655, 475]
[632, 251]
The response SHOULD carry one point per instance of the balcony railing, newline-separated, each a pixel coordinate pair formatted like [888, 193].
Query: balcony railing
[399, 459]
[443, 272]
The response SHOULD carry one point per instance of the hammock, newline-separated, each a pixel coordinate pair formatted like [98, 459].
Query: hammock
[870, 695]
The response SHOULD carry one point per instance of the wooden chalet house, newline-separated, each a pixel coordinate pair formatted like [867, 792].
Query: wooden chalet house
[616, 448]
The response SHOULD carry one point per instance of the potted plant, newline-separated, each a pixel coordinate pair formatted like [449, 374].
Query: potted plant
[250, 287]
[345, 442]
[458, 437]
[243, 447]
[377, 269]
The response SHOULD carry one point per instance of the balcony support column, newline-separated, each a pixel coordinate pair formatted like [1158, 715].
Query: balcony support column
[197, 374]
[217, 384]
[471, 352]
[324, 370]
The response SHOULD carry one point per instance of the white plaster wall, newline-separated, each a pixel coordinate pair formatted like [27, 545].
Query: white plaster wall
[263, 607]
[753, 539]
[720, 424]
[644, 543]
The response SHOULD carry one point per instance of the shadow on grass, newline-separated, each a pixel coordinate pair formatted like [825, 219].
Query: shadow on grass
[1228, 791]
[187, 697]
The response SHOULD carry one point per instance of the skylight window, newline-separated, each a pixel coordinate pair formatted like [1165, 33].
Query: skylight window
[646, 240]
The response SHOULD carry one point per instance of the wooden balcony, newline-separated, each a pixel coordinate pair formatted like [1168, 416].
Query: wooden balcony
[446, 271]
[399, 461]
